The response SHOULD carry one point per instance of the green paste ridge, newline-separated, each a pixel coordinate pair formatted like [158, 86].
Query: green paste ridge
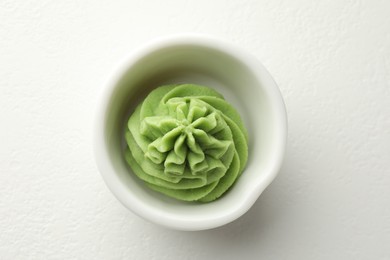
[186, 142]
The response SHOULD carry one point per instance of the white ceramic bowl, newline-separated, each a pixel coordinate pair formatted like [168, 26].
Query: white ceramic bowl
[243, 81]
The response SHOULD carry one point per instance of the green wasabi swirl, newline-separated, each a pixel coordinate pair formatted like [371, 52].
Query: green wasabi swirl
[186, 142]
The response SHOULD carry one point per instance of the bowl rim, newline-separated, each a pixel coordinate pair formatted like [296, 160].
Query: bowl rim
[117, 187]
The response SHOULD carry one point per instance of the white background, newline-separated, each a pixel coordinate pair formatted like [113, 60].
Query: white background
[331, 60]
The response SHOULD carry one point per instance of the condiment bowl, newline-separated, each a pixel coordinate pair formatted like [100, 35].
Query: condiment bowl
[203, 60]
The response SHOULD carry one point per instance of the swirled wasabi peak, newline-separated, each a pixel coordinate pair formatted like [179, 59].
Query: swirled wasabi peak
[186, 142]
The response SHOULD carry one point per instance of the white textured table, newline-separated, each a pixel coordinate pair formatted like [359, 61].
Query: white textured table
[331, 60]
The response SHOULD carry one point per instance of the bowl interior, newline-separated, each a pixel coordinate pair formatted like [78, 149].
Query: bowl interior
[233, 76]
